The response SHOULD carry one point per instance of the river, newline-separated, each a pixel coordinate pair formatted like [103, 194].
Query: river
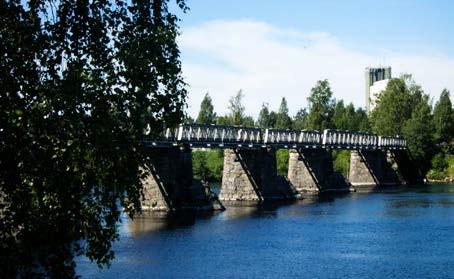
[401, 233]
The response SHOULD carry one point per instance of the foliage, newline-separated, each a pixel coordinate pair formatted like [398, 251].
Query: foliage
[188, 120]
[321, 107]
[273, 119]
[80, 82]
[403, 108]
[340, 120]
[300, 119]
[443, 118]
[263, 121]
[224, 120]
[341, 161]
[208, 165]
[199, 165]
[418, 132]
[360, 122]
[439, 168]
[248, 121]
[237, 113]
[282, 161]
[237, 108]
[283, 120]
[394, 107]
[450, 161]
[206, 113]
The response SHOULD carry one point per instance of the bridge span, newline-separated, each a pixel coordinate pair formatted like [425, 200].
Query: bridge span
[250, 172]
[219, 136]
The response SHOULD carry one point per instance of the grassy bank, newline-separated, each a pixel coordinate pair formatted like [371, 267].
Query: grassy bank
[442, 167]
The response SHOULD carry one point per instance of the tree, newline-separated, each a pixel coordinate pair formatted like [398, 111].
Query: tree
[394, 107]
[273, 119]
[443, 120]
[361, 121]
[283, 120]
[263, 120]
[206, 113]
[78, 91]
[300, 119]
[236, 108]
[418, 131]
[340, 119]
[357, 119]
[224, 120]
[199, 165]
[188, 119]
[321, 106]
[248, 121]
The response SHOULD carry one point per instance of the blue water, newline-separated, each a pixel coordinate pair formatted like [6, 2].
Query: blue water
[408, 233]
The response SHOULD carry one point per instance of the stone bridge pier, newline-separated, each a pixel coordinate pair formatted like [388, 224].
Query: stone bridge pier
[251, 175]
[372, 168]
[170, 185]
[406, 167]
[312, 171]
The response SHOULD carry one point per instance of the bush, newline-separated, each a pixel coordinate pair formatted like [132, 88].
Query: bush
[207, 165]
[282, 161]
[439, 168]
[341, 161]
[215, 164]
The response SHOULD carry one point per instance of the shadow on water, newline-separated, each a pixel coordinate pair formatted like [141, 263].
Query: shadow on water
[432, 188]
[247, 209]
[381, 189]
[149, 222]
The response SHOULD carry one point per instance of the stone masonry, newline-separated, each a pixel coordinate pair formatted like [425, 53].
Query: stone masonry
[372, 168]
[312, 171]
[251, 175]
[170, 185]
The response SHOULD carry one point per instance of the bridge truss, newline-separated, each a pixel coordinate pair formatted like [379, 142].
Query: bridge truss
[219, 136]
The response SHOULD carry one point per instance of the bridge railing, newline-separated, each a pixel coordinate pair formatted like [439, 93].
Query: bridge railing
[391, 142]
[292, 137]
[219, 134]
[335, 138]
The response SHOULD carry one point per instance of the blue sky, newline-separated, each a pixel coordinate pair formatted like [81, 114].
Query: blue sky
[411, 36]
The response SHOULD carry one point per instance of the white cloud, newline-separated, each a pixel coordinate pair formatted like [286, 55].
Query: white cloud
[269, 63]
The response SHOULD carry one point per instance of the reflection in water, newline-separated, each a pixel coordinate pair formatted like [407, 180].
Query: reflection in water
[235, 210]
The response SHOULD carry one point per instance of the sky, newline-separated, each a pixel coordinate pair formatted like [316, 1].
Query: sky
[273, 49]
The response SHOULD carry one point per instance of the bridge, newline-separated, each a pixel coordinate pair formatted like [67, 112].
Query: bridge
[219, 136]
[250, 173]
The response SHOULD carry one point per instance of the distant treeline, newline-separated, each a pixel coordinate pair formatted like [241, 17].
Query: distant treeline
[402, 109]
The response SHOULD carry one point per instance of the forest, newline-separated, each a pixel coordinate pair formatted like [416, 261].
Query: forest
[402, 109]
